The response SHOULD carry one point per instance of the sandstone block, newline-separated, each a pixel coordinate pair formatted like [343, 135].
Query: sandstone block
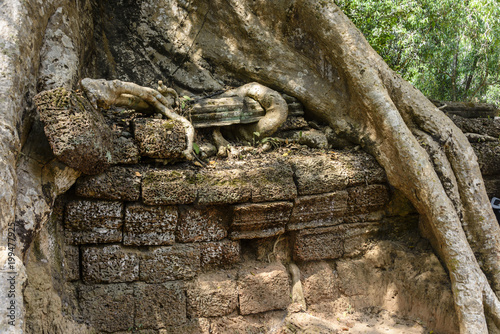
[324, 174]
[108, 307]
[109, 264]
[170, 263]
[367, 198]
[264, 289]
[165, 187]
[320, 282]
[212, 296]
[77, 133]
[203, 223]
[319, 243]
[159, 305]
[318, 210]
[272, 183]
[117, 183]
[223, 187]
[260, 220]
[93, 222]
[149, 225]
[160, 138]
[220, 253]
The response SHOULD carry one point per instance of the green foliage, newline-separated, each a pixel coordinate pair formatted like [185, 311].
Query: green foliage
[448, 49]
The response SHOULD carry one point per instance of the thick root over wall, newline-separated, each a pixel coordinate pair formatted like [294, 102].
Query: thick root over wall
[343, 81]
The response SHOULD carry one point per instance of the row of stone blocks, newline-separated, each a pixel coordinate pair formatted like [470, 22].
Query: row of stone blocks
[185, 307]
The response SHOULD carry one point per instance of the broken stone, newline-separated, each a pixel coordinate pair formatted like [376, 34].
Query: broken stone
[109, 264]
[149, 225]
[260, 220]
[117, 183]
[264, 289]
[160, 138]
[312, 139]
[77, 133]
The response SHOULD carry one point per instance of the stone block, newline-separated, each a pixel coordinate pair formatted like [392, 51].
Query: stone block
[93, 222]
[488, 156]
[117, 183]
[320, 283]
[77, 133]
[272, 183]
[212, 295]
[125, 151]
[108, 307]
[71, 263]
[336, 171]
[492, 187]
[178, 262]
[263, 289]
[149, 225]
[223, 187]
[159, 305]
[367, 198]
[220, 253]
[160, 138]
[203, 223]
[319, 243]
[109, 264]
[261, 220]
[192, 326]
[318, 210]
[166, 187]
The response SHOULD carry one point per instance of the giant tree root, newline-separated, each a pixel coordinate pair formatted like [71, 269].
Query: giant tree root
[105, 93]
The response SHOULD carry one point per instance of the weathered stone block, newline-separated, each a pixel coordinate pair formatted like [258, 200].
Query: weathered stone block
[117, 183]
[323, 174]
[272, 183]
[125, 151]
[170, 263]
[319, 243]
[488, 156]
[159, 305]
[368, 198]
[192, 326]
[220, 253]
[165, 187]
[223, 187]
[149, 225]
[492, 187]
[264, 289]
[93, 222]
[204, 223]
[260, 220]
[212, 296]
[108, 307]
[320, 283]
[109, 264]
[160, 138]
[71, 263]
[318, 210]
[77, 133]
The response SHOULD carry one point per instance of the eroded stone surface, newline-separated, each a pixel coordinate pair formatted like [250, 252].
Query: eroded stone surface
[272, 183]
[203, 223]
[220, 253]
[212, 296]
[149, 225]
[164, 187]
[320, 282]
[160, 138]
[109, 264]
[488, 155]
[117, 183]
[170, 263]
[159, 305]
[263, 289]
[223, 186]
[319, 210]
[368, 198]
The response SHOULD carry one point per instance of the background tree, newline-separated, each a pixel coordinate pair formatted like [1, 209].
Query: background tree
[450, 50]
